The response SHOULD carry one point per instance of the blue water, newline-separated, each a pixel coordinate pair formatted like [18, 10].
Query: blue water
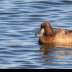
[20, 20]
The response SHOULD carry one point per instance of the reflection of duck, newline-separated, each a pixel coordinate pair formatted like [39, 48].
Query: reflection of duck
[54, 35]
[46, 48]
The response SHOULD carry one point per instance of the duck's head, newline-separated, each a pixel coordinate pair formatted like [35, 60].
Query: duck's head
[46, 29]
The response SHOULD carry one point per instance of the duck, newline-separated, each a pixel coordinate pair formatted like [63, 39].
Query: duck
[51, 35]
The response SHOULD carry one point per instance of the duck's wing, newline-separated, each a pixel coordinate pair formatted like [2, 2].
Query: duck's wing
[62, 32]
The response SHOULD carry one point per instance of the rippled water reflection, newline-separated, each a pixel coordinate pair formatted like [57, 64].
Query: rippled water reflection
[20, 20]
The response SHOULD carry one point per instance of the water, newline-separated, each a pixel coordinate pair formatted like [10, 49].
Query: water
[20, 20]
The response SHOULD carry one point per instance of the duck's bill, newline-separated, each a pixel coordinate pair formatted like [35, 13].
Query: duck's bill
[40, 32]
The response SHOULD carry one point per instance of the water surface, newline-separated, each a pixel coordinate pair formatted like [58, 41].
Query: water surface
[20, 20]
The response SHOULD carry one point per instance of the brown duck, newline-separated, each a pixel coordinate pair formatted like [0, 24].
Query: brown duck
[54, 35]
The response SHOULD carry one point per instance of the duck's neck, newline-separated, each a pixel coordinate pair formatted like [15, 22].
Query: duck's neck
[51, 35]
[46, 39]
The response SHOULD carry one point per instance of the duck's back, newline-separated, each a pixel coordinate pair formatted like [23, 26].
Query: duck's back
[61, 35]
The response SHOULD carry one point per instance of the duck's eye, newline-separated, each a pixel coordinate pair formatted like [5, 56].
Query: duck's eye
[49, 28]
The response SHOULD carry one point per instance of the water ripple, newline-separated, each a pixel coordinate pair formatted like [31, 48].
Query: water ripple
[20, 20]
